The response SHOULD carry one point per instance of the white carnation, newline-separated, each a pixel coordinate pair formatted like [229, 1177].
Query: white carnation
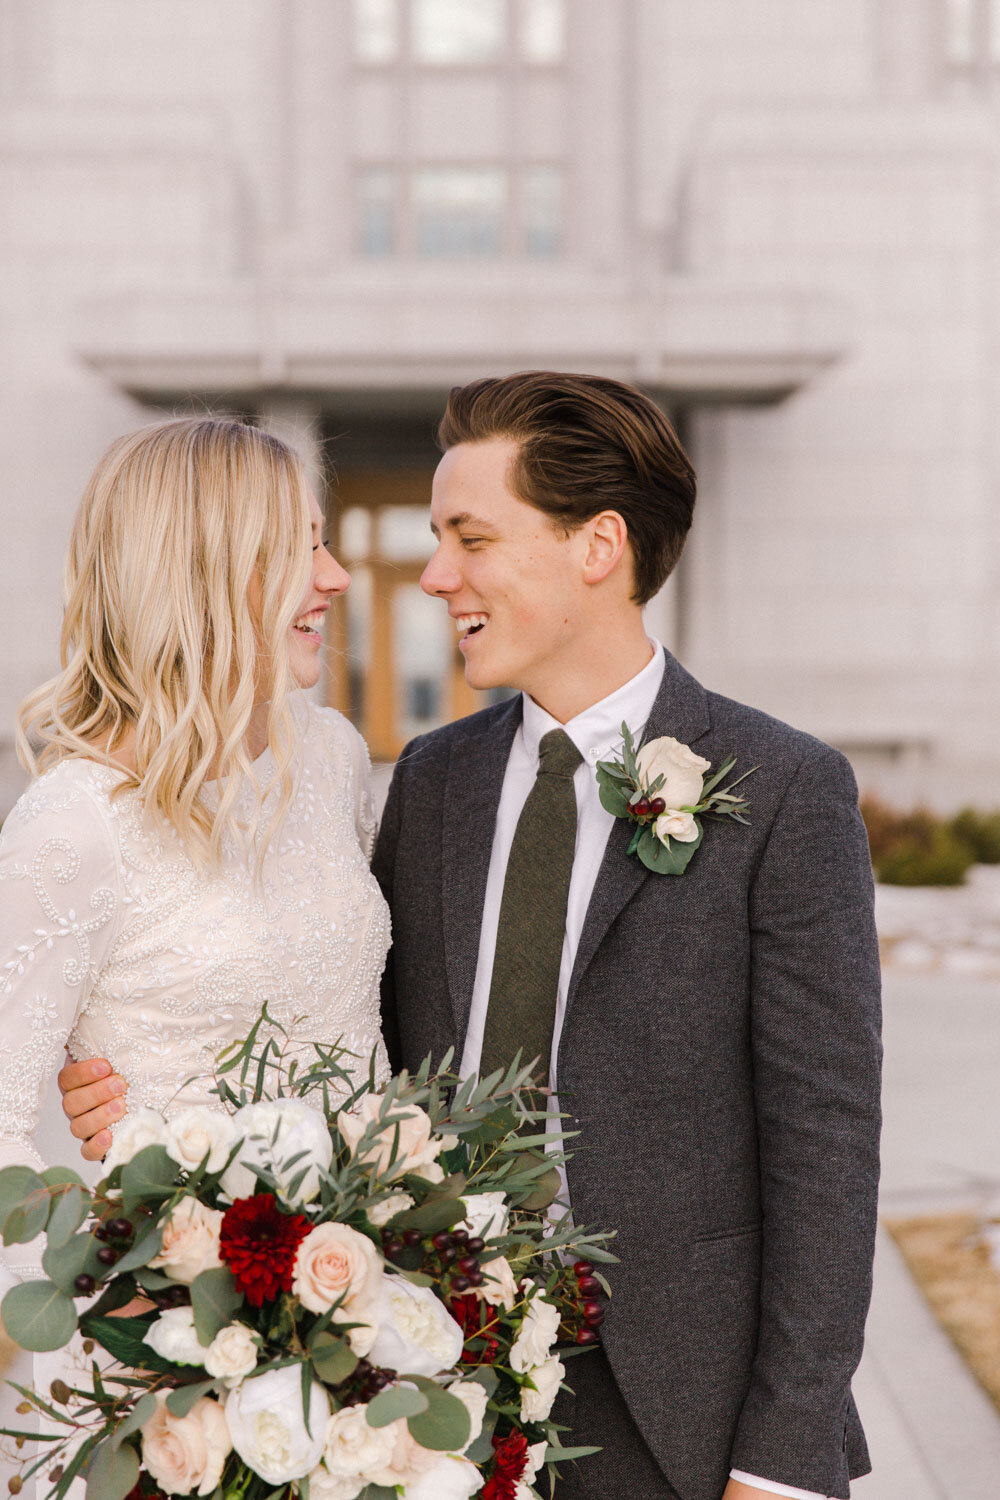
[536, 1404]
[486, 1215]
[396, 1203]
[537, 1335]
[326, 1486]
[232, 1354]
[353, 1450]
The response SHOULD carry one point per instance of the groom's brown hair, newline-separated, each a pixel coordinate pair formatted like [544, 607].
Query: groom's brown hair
[586, 444]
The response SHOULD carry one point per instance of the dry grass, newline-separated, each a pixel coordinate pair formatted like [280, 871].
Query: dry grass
[952, 1268]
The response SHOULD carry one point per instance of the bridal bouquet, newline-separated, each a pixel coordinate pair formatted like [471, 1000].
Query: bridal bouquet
[360, 1300]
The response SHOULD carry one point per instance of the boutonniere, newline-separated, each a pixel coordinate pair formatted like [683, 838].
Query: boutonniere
[662, 788]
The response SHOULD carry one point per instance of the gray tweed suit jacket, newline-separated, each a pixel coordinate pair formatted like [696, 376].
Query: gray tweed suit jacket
[720, 1056]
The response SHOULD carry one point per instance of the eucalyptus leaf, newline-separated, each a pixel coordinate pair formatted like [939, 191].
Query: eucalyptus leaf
[181, 1400]
[399, 1401]
[38, 1316]
[333, 1358]
[78, 1255]
[150, 1175]
[147, 1247]
[68, 1213]
[445, 1426]
[112, 1472]
[29, 1218]
[613, 799]
[61, 1176]
[214, 1299]
[667, 859]
[16, 1184]
[431, 1216]
[140, 1413]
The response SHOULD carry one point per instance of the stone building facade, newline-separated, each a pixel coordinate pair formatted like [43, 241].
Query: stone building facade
[780, 218]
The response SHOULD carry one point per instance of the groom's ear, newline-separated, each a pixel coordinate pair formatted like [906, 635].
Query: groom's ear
[607, 544]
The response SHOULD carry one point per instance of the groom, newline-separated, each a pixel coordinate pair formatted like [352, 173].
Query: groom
[713, 1035]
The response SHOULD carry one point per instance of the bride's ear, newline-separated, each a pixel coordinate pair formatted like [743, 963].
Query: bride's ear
[607, 537]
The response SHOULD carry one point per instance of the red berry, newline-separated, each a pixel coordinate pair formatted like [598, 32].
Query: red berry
[475, 1245]
[442, 1240]
[468, 1263]
[120, 1229]
[460, 1283]
[586, 1336]
[447, 1255]
[588, 1286]
[476, 1277]
[412, 1236]
[593, 1314]
[582, 1267]
[107, 1256]
[640, 809]
[84, 1284]
[657, 806]
[460, 1236]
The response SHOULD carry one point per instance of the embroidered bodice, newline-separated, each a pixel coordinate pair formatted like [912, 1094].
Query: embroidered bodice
[113, 943]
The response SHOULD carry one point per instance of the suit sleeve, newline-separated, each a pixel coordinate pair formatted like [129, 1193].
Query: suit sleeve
[815, 1037]
[383, 867]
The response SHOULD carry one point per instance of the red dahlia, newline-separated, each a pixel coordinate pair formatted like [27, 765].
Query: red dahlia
[259, 1244]
[510, 1461]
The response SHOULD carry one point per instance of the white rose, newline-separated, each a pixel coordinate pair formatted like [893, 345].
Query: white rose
[197, 1132]
[186, 1454]
[536, 1458]
[174, 1336]
[142, 1127]
[683, 772]
[268, 1427]
[546, 1377]
[274, 1132]
[353, 1450]
[473, 1397]
[336, 1261]
[418, 1146]
[232, 1354]
[499, 1288]
[486, 1215]
[416, 1333]
[676, 825]
[537, 1335]
[190, 1241]
[450, 1479]
[396, 1203]
[326, 1486]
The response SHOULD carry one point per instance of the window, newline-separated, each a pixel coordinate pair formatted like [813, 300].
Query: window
[461, 212]
[377, 232]
[460, 33]
[376, 30]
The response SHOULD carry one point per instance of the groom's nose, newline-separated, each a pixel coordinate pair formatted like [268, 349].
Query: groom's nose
[440, 577]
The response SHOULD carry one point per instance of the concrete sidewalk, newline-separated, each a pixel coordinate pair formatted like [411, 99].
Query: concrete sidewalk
[933, 1433]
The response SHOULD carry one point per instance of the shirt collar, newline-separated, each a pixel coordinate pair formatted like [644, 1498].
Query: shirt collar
[599, 728]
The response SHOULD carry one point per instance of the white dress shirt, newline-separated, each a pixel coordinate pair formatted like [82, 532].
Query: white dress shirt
[597, 734]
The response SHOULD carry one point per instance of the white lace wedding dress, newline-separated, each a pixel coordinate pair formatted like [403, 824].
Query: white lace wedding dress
[114, 944]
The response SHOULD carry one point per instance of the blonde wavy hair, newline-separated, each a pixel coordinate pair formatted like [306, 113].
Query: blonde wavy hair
[189, 556]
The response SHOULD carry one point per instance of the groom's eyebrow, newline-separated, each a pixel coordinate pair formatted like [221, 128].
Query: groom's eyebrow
[465, 518]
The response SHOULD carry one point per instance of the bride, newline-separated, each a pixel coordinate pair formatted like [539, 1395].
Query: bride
[197, 842]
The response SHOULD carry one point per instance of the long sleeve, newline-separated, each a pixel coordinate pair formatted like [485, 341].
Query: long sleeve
[815, 1037]
[60, 906]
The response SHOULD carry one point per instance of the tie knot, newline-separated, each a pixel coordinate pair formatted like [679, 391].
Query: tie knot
[557, 754]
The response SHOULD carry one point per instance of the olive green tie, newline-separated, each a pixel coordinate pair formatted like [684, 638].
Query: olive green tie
[532, 925]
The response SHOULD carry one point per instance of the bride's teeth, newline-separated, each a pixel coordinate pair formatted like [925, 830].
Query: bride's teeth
[466, 622]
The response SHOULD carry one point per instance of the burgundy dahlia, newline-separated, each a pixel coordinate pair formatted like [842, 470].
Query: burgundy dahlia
[259, 1245]
[510, 1461]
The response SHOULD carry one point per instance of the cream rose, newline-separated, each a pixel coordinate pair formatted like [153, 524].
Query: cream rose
[450, 1479]
[676, 825]
[197, 1132]
[336, 1261]
[683, 772]
[141, 1127]
[418, 1147]
[396, 1203]
[486, 1215]
[537, 1335]
[186, 1455]
[416, 1333]
[173, 1336]
[232, 1354]
[407, 1459]
[499, 1288]
[353, 1450]
[190, 1241]
[268, 1428]
[326, 1486]
[546, 1378]
[276, 1131]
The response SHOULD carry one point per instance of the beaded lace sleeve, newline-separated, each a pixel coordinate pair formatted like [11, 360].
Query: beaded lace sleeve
[60, 907]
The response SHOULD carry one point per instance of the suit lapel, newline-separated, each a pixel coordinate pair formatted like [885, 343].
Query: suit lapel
[680, 710]
[472, 793]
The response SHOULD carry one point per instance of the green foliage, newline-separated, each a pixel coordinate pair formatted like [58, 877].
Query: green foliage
[981, 831]
[916, 847]
[214, 1300]
[112, 1471]
[444, 1426]
[333, 1358]
[38, 1316]
[397, 1401]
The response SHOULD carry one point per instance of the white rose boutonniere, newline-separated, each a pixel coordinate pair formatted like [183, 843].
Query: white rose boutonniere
[665, 790]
